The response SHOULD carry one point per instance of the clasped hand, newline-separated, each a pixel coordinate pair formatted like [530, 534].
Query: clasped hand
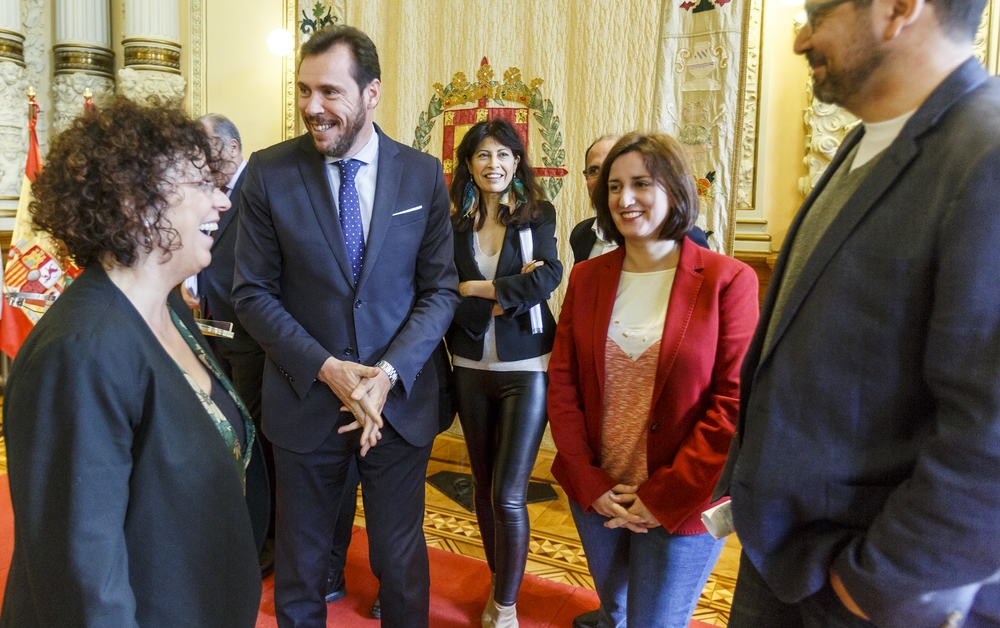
[363, 391]
[624, 509]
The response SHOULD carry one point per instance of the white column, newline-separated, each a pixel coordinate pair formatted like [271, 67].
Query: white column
[83, 57]
[13, 103]
[152, 69]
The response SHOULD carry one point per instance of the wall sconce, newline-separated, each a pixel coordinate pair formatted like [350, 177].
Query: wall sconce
[280, 42]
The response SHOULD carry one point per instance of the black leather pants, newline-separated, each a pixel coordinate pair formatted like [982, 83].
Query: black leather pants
[503, 418]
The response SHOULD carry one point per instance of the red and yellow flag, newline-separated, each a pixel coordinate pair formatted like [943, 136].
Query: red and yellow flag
[36, 272]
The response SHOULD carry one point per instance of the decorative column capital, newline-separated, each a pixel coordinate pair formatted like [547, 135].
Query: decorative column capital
[73, 58]
[70, 94]
[13, 127]
[149, 86]
[12, 47]
[152, 54]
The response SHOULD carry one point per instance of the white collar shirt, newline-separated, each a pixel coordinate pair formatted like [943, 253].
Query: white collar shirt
[364, 181]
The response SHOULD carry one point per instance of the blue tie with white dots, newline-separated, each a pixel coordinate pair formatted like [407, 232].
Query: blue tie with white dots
[350, 214]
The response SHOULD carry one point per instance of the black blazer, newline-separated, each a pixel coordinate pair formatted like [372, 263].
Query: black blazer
[516, 293]
[216, 281]
[128, 510]
[582, 239]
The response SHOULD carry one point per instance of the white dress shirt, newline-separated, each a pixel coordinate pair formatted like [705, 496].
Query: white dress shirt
[364, 181]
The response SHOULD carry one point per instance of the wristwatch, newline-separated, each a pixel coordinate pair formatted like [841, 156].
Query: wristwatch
[388, 370]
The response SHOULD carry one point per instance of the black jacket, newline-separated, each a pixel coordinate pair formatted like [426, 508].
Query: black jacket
[516, 293]
[128, 509]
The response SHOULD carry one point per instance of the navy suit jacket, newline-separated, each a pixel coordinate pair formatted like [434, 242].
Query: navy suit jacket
[294, 294]
[215, 283]
[869, 432]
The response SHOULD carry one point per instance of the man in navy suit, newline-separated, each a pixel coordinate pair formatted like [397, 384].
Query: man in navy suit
[345, 275]
[865, 474]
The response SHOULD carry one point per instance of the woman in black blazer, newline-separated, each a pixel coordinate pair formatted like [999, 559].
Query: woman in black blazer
[128, 450]
[500, 340]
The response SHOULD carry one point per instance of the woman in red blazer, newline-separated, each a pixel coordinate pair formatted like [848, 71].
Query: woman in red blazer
[644, 387]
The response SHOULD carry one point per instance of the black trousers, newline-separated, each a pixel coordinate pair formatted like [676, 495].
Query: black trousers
[310, 493]
[344, 525]
[755, 606]
[503, 419]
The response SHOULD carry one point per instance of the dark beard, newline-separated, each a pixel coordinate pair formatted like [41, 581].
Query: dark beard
[352, 129]
[840, 84]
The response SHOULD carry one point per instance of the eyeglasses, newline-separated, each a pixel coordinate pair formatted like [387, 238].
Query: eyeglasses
[592, 172]
[208, 187]
[823, 7]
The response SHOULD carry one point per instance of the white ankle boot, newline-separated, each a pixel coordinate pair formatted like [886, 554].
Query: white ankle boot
[496, 616]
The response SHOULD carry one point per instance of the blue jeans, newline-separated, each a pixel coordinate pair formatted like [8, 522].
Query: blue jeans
[650, 580]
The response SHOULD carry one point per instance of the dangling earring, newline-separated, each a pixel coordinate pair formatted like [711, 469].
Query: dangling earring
[470, 200]
[518, 189]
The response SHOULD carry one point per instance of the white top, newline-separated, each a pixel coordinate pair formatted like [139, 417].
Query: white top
[601, 246]
[877, 137]
[364, 181]
[491, 362]
[640, 310]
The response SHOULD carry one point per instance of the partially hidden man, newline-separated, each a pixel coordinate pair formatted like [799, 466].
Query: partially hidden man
[865, 473]
[345, 275]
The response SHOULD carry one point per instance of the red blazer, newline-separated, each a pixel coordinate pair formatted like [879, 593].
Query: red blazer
[710, 320]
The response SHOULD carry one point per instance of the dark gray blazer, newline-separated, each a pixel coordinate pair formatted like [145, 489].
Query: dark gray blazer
[294, 294]
[869, 433]
[128, 510]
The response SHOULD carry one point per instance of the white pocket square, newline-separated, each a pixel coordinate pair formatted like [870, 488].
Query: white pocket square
[407, 211]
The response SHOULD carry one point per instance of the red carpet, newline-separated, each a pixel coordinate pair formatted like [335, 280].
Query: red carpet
[459, 586]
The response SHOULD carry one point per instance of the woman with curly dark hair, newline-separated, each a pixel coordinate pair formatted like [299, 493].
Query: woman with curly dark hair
[500, 339]
[129, 453]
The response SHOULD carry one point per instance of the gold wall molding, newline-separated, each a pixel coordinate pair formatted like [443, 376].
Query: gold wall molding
[196, 44]
[147, 54]
[73, 58]
[748, 122]
[981, 45]
[12, 47]
[288, 67]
